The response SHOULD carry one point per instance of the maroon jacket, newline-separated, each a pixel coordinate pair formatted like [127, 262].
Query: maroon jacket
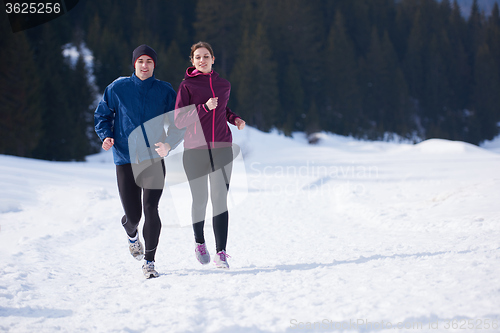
[203, 125]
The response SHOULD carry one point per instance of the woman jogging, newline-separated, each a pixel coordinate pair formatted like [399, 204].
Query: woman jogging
[208, 150]
[123, 121]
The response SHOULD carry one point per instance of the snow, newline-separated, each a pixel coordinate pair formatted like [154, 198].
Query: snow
[345, 235]
[493, 145]
[72, 52]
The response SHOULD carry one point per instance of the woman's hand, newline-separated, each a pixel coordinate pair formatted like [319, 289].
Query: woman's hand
[240, 123]
[212, 103]
[108, 143]
[163, 148]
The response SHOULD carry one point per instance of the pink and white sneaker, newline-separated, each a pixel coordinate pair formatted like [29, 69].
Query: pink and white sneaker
[202, 253]
[221, 259]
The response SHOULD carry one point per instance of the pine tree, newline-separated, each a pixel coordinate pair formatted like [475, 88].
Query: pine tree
[181, 35]
[358, 21]
[375, 72]
[255, 78]
[293, 99]
[112, 55]
[475, 25]
[493, 33]
[341, 82]
[217, 22]
[57, 99]
[396, 92]
[495, 16]
[385, 101]
[414, 65]
[445, 9]
[436, 89]
[486, 97]
[140, 32]
[312, 120]
[296, 28]
[81, 115]
[242, 80]
[459, 71]
[20, 123]
[382, 14]
[174, 65]
[404, 20]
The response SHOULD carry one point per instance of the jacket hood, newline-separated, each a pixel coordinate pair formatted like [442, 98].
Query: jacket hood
[193, 72]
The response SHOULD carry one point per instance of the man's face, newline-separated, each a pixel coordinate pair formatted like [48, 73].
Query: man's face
[144, 67]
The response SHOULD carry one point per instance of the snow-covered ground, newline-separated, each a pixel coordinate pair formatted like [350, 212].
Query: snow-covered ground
[345, 235]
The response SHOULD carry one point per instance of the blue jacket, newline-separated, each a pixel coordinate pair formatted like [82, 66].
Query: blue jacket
[134, 112]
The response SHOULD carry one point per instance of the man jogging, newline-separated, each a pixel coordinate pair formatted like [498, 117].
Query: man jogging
[123, 121]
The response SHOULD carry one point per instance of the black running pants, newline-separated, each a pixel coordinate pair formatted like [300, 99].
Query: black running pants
[133, 205]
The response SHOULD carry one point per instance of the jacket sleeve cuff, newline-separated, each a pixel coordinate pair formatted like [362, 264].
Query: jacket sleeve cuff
[232, 119]
[103, 135]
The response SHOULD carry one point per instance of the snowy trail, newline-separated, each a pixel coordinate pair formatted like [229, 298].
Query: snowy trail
[345, 236]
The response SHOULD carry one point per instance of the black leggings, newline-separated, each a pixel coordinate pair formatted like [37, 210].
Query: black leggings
[203, 166]
[130, 195]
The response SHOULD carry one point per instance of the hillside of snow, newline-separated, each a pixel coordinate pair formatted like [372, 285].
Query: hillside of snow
[345, 235]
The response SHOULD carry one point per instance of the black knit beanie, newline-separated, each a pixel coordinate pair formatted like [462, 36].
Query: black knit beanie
[143, 50]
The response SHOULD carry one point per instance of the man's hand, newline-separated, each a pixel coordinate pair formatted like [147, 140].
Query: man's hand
[108, 143]
[163, 148]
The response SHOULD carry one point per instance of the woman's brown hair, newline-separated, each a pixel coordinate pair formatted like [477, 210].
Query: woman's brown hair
[199, 45]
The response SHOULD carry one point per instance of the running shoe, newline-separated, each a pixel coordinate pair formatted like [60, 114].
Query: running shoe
[202, 253]
[148, 268]
[221, 259]
[136, 248]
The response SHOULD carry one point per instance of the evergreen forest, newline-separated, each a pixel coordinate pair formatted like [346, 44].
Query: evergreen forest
[371, 69]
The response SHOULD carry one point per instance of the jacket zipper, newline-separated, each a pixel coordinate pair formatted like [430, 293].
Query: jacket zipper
[213, 116]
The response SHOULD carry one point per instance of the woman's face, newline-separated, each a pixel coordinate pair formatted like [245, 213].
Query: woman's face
[144, 67]
[203, 60]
